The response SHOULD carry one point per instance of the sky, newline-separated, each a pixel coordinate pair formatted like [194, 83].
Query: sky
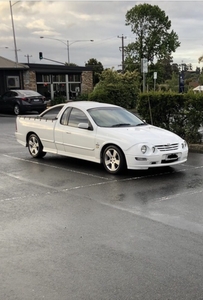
[78, 22]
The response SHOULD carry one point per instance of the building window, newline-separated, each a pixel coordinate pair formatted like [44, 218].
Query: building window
[74, 89]
[45, 90]
[45, 78]
[74, 78]
[59, 89]
[59, 78]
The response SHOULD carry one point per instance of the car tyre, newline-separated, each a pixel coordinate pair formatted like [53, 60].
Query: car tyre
[35, 146]
[16, 109]
[113, 160]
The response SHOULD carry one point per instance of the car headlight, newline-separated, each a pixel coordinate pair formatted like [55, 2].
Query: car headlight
[184, 144]
[144, 149]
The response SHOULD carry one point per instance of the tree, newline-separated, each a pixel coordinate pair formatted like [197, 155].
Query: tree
[71, 64]
[175, 68]
[153, 38]
[97, 69]
[173, 83]
[164, 69]
[200, 59]
[199, 72]
[117, 88]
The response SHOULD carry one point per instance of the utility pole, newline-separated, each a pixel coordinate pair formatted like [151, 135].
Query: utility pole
[14, 37]
[181, 78]
[144, 70]
[28, 58]
[122, 48]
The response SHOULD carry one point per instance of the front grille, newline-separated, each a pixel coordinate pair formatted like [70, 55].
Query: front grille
[168, 147]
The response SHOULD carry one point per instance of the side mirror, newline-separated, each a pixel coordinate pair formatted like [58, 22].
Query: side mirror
[83, 125]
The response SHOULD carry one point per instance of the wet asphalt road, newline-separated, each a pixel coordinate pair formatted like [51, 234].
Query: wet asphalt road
[71, 231]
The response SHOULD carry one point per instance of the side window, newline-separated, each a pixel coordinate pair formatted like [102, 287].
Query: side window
[6, 95]
[13, 94]
[76, 117]
[52, 113]
[64, 118]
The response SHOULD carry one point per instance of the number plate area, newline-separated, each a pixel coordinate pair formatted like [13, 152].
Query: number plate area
[171, 157]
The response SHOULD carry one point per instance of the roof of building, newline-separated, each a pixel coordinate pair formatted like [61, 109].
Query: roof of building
[58, 68]
[9, 64]
[198, 88]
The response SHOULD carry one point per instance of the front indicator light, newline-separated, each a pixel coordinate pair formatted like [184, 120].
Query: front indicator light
[184, 145]
[141, 158]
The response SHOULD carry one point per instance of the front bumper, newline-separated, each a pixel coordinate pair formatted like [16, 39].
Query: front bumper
[144, 162]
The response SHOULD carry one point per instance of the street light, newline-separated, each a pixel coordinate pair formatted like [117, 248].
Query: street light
[67, 43]
[14, 38]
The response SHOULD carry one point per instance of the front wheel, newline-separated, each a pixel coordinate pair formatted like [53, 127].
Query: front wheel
[16, 109]
[35, 146]
[113, 160]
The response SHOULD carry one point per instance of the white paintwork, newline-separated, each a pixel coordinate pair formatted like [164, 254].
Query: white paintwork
[87, 144]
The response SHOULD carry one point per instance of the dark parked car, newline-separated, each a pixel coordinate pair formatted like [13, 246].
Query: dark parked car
[19, 101]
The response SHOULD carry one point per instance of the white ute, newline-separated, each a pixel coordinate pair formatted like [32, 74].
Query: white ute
[100, 133]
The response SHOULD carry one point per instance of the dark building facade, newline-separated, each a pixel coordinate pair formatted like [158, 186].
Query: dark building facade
[49, 80]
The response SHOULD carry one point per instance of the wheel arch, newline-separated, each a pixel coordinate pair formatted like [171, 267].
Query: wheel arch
[36, 147]
[16, 103]
[110, 144]
[27, 137]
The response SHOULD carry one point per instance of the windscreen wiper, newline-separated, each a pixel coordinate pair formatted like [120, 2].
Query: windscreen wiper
[141, 124]
[121, 124]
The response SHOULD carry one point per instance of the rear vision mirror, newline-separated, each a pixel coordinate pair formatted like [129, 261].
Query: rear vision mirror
[83, 125]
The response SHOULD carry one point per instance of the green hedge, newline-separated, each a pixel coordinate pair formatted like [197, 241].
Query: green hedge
[58, 100]
[117, 94]
[180, 113]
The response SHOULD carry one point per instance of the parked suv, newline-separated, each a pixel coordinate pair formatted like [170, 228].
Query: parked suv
[19, 101]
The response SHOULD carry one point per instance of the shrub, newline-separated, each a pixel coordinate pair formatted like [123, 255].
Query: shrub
[180, 113]
[116, 88]
[58, 100]
[83, 97]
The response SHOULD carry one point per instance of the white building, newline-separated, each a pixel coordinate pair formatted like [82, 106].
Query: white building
[199, 89]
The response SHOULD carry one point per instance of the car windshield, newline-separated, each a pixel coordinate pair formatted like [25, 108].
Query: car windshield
[114, 117]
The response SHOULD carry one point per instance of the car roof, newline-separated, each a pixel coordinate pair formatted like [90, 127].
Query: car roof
[89, 104]
[24, 91]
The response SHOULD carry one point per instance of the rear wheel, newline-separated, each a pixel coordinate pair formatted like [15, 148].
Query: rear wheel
[16, 109]
[35, 146]
[113, 160]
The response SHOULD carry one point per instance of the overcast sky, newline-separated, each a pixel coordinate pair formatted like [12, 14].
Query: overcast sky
[82, 21]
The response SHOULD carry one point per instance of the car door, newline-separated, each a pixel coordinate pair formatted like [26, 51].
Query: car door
[5, 101]
[12, 100]
[78, 142]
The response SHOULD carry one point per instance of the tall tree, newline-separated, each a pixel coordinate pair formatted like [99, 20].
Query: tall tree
[117, 88]
[200, 59]
[164, 69]
[97, 69]
[153, 38]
